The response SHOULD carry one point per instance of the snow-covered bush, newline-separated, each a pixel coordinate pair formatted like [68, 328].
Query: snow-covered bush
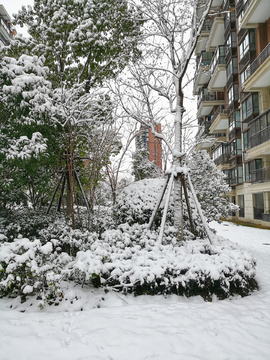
[31, 268]
[210, 186]
[69, 240]
[137, 201]
[129, 259]
[135, 204]
[24, 222]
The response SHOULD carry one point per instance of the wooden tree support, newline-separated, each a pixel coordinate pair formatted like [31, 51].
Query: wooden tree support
[168, 184]
[154, 213]
[161, 231]
[62, 182]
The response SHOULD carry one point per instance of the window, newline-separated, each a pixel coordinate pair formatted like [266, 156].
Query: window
[251, 166]
[241, 203]
[222, 149]
[239, 147]
[232, 67]
[250, 106]
[206, 57]
[258, 205]
[247, 44]
[246, 140]
[233, 93]
[227, 174]
[207, 24]
[236, 148]
[234, 120]
[243, 78]
[236, 175]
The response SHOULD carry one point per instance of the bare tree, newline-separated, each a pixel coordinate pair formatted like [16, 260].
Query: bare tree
[171, 33]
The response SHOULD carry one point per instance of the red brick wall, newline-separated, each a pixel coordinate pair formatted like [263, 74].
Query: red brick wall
[155, 150]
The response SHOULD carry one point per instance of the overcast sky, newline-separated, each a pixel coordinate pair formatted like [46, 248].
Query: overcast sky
[12, 6]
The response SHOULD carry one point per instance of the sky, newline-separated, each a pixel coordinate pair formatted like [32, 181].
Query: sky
[12, 6]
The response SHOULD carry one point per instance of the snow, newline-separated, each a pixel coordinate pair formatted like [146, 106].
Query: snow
[114, 326]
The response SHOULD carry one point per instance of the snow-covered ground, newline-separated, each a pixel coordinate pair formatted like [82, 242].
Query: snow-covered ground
[114, 326]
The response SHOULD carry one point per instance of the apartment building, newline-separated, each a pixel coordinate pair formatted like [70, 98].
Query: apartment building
[6, 29]
[146, 141]
[232, 84]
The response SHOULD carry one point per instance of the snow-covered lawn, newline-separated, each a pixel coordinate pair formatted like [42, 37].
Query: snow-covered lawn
[114, 326]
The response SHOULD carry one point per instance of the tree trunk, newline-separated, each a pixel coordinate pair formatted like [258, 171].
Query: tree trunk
[178, 198]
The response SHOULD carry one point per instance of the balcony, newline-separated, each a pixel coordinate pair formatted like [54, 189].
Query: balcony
[216, 35]
[220, 155]
[219, 121]
[259, 138]
[203, 138]
[248, 57]
[254, 12]
[202, 75]
[229, 23]
[260, 175]
[227, 4]
[216, 4]
[218, 70]
[201, 43]
[258, 73]
[207, 100]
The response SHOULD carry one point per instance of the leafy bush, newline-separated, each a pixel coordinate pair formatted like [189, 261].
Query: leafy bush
[137, 201]
[129, 259]
[31, 268]
[24, 222]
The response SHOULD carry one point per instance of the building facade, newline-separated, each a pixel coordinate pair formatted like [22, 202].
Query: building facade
[6, 29]
[232, 84]
[147, 142]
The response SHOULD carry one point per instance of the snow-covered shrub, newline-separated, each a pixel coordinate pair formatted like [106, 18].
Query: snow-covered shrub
[210, 186]
[31, 268]
[137, 201]
[68, 240]
[102, 219]
[129, 259]
[24, 222]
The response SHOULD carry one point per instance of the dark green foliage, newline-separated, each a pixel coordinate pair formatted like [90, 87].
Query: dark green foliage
[142, 168]
[81, 41]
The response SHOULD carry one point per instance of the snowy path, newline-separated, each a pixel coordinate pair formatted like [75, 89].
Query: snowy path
[149, 327]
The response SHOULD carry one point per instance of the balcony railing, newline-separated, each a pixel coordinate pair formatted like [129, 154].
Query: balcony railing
[7, 29]
[248, 57]
[260, 59]
[260, 137]
[239, 7]
[204, 59]
[203, 130]
[221, 154]
[260, 175]
[218, 58]
[261, 122]
[222, 159]
[210, 96]
[245, 6]
[227, 4]
[207, 25]
[220, 110]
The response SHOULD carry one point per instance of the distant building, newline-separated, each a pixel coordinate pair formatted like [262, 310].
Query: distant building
[6, 29]
[149, 143]
[232, 84]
